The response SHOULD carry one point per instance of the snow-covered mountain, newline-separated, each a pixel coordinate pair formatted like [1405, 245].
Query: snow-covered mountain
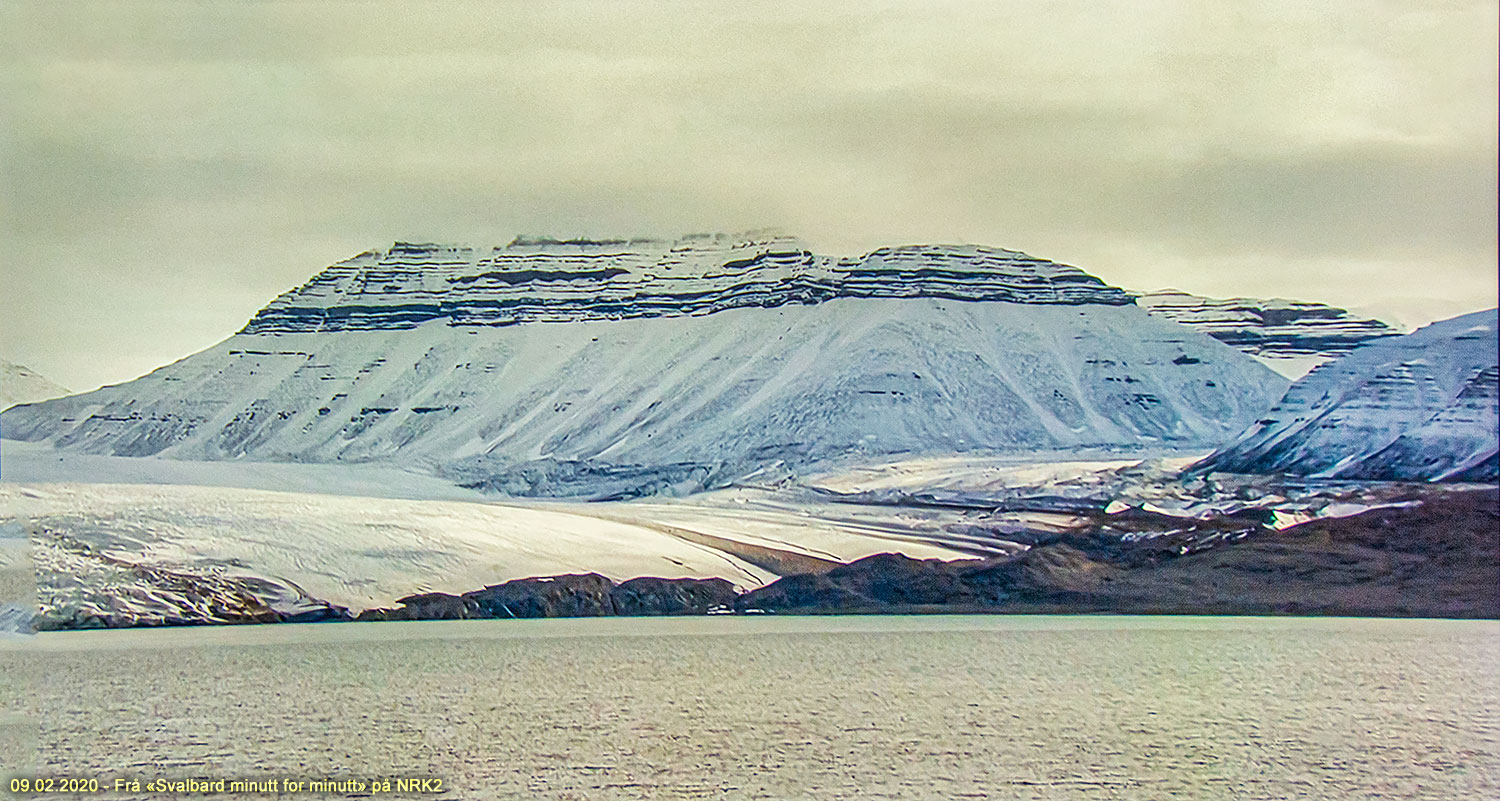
[19, 384]
[1417, 407]
[604, 368]
[1290, 336]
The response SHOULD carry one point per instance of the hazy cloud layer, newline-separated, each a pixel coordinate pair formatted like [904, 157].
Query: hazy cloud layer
[167, 168]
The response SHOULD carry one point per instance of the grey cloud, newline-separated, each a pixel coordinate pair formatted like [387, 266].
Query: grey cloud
[167, 167]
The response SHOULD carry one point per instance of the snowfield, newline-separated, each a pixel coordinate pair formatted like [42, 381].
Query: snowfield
[38, 463]
[676, 405]
[20, 384]
[352, 551]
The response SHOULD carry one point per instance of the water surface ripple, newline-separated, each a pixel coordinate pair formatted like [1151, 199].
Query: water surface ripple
[790, 708]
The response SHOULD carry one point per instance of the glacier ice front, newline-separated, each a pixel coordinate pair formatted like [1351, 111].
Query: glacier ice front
[617, 368]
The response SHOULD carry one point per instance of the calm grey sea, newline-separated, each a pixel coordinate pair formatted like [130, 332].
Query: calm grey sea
[781, 708]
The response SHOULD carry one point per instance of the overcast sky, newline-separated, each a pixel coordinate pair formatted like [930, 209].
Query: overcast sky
[168, 168]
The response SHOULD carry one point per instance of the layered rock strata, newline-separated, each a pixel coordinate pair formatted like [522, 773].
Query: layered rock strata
[1418, 407]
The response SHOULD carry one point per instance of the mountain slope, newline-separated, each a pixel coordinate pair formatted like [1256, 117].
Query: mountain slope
[1417, 407]
[19, 384]
[1290, 336]
[599, 369]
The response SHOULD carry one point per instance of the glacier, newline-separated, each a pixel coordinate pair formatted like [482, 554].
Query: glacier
[122, 541]
[113, 554]
[1418, 407]
[599, 369]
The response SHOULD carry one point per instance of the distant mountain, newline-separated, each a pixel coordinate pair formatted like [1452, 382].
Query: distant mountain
[1291, 336]
[19, 384]
[1417, 407]
[603, 368]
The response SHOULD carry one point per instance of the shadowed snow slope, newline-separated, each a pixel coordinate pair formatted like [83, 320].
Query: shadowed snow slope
[1417, 407]
[611, 369]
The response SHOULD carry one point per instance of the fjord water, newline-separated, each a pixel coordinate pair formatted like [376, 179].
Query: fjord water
[780, 708]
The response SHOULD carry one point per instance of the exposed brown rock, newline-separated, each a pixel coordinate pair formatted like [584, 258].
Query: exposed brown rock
[807, 592]
[659, 596]
[1045, 572]
[576, 595]
[1440, 558]
[430, 606]
[571, 595]
[1437, 559]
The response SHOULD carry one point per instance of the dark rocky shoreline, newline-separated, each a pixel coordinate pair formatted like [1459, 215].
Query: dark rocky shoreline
[573, 595]
[1437, 559]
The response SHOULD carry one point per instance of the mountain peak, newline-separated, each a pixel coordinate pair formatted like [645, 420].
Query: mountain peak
[21, 384]
[1416, 407]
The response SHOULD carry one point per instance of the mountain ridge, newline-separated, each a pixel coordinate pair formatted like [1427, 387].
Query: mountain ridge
[1290, 336]
[548, 280]
[1422, 406]
[684, 366]
[20, 384]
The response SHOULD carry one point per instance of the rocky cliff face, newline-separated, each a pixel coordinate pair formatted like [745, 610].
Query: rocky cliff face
[1290, 336]
[612, 369]
[544, 280]
[572, 595]
[1417, 407]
